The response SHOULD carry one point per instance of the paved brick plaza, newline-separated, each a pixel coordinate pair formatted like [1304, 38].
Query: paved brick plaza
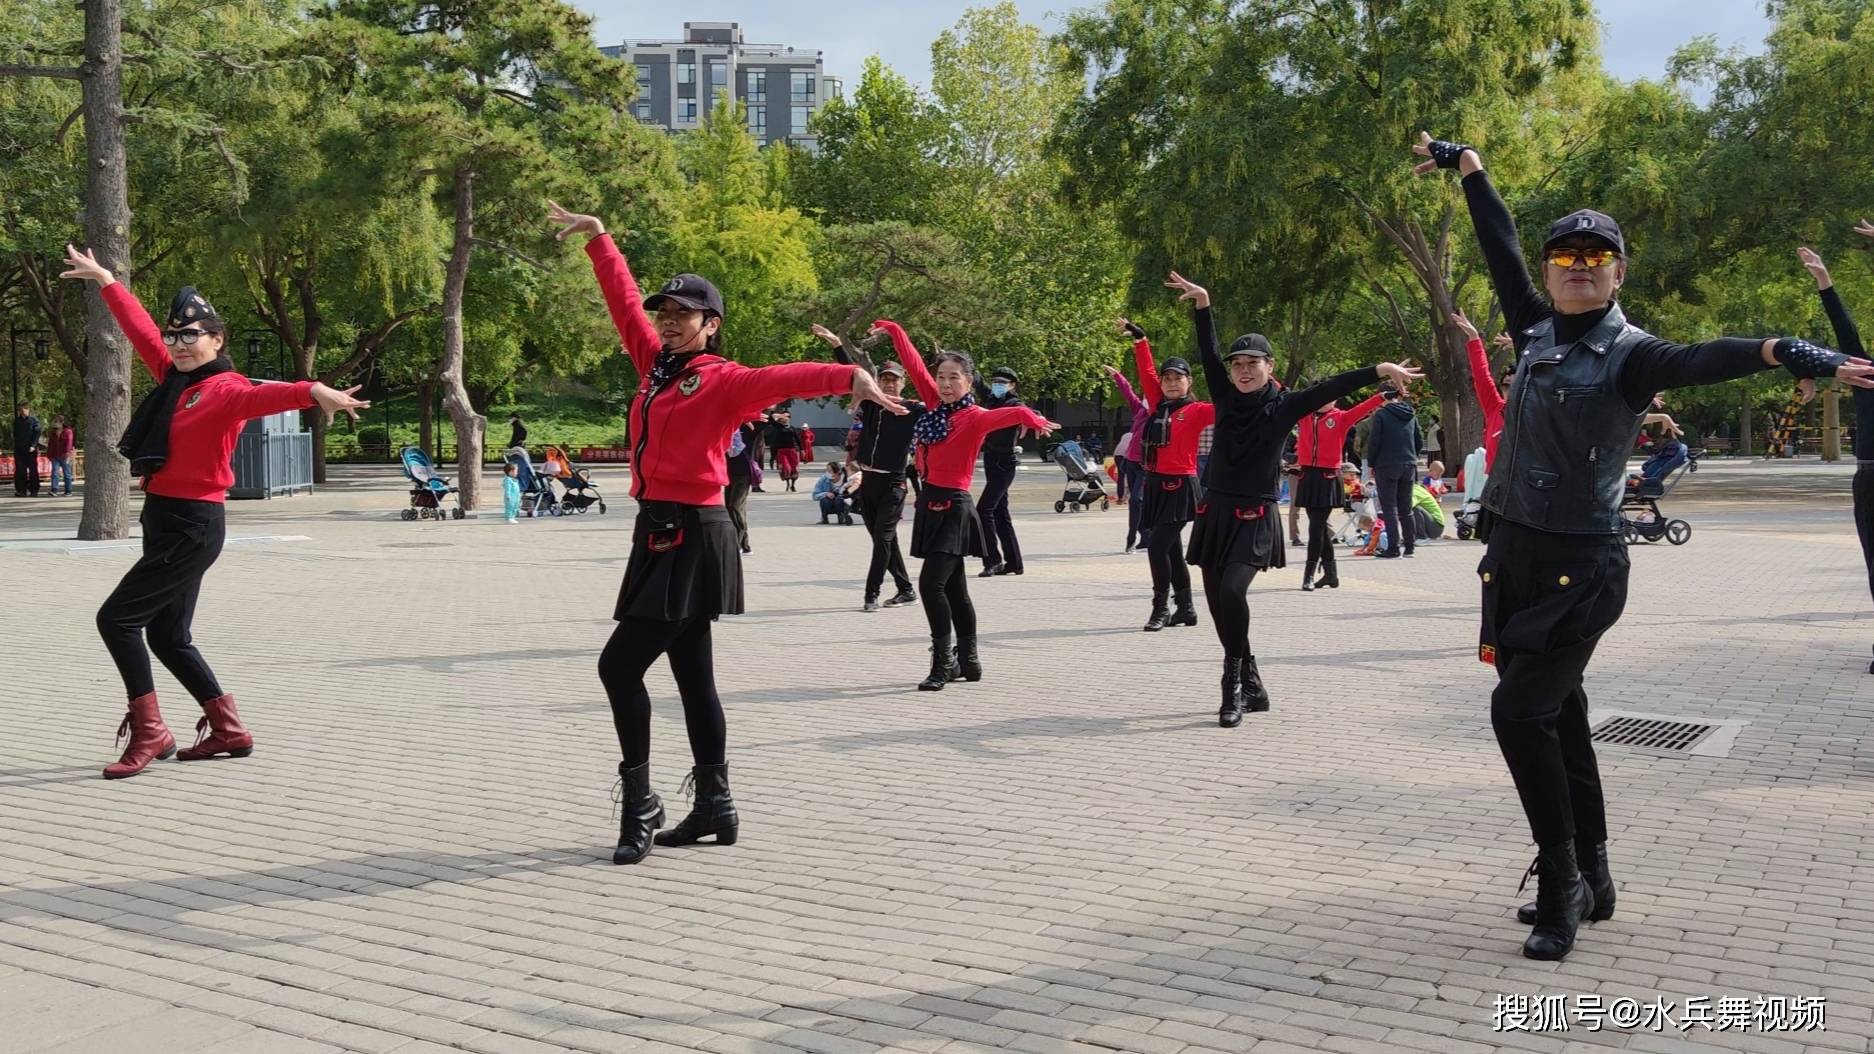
[1068, 856]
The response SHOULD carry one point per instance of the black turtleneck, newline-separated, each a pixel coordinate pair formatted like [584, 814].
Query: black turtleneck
[1654, 365]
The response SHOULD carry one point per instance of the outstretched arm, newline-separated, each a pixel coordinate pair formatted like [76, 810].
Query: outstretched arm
[911, 359]
[1349, 419]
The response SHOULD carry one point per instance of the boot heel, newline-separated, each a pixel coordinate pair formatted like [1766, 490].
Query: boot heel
[241, 753]
[168, 752]
[727, 837]
[658, 820]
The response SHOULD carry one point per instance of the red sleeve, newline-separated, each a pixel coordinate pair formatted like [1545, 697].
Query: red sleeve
[138, 326]
[258, 400]
[1148, 373]
[912, 361]
[625, 303]
[1201, 415]
[1488, 398]
[1361, 410]
[1004, 416]
[751, 389]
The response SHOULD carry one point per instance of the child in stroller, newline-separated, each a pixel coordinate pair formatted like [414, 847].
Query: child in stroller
[581, 493]
[1641, 519]
[1083, 483]
[429, 491]
[537, 498]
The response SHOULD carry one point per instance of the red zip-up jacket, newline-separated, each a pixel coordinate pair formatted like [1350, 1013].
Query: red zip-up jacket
[1320, 438]
[1178, 457]
[208, 416]
[679, 433]
[1488, 398]
[952, 463]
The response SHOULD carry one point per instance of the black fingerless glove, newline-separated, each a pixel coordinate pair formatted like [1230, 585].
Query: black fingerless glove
[1804, 360]
[1446, 153]
[1133, 331]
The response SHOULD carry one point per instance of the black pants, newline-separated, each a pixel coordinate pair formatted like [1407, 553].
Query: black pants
[1226, 593]
[1547, 598]
[155, 602]
[999, 544]
[634, 646]
[1864, 517]
[881, 506]
[1395, 503]
[1134, 475]
[1320, 539]
[945, 586]
[735, 496]
[1170, 574]
[26, 473]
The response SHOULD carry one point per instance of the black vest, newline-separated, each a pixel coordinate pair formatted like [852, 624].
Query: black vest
[1562, 460]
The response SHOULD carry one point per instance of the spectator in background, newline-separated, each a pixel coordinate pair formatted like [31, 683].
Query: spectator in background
[517, 432]
[806, 444]
[830, 492]
[1392, 449]
[59, 447]
[26, 436]
[1204, 440]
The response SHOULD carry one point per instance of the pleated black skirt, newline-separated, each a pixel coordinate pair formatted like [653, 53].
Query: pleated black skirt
[686, 562]
[1233, 530]
[945, 524]
[1168, 500]
[1319, 488]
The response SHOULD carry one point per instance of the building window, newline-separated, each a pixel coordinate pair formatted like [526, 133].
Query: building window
[757, 86]
[643, 111]
[758, 120]
[686, 109]
[802, 84]
[718, 75]
[644, 78]
[800, 120]
[686, 73]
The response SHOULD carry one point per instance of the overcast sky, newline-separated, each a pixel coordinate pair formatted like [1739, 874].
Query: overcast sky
[1640, 36]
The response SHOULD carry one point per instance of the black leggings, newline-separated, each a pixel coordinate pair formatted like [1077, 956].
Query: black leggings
[1165, 552]
[1320, 539]
[1226, 591]
[944, 586]
[1864, 517]
[637, 643]
[156, 599]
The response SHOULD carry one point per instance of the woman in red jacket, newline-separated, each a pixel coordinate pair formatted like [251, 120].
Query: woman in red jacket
[1319, 439]
[945, 529]
[1168, 450]
[685, 567]
[1492, 396]
[180, 442]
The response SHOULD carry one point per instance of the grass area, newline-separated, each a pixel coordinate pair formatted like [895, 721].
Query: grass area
[569, 419]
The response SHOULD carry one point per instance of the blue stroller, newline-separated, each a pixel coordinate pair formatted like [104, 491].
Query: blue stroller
[429, 490]
[537, 497]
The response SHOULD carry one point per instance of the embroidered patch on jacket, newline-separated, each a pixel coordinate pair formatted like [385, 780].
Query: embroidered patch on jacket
[690, 384]
[1487, 653]
[194, 397]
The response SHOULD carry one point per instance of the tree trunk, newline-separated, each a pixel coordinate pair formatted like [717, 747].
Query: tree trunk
[107, 227]
[455, 397]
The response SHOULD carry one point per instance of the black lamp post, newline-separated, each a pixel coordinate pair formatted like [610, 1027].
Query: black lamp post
[42, 351]
[256, 343]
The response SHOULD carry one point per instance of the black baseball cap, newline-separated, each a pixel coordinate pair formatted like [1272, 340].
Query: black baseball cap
[892, 368]
[1589, 222]
[690, 291]
[1175, 365]
[1252, 344]
[1003, 373]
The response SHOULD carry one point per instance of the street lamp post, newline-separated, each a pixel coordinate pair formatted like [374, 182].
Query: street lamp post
[256, 342]
[42, 351]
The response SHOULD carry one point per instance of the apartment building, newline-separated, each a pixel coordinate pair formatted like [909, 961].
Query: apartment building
[678, 81]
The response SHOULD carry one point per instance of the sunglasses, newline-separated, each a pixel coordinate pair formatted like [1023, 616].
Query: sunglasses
[1566, 258]
[186, 337]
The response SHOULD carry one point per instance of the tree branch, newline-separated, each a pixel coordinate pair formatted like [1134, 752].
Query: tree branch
[70, 73]
[509, 250]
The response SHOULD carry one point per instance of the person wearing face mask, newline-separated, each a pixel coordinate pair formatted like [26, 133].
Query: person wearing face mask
[1238, 532]
[945, 530]
[685, 567]
[1002, 554]
[180, 444]
[1554, 571]
[1168, 494]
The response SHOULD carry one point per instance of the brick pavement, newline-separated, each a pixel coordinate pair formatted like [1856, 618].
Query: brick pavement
[1069, 856]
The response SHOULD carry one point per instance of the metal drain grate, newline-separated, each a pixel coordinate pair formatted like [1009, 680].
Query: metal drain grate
[1651, 733]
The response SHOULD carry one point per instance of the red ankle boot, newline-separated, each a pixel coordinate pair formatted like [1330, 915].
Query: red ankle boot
[149, 738]
[219, 732]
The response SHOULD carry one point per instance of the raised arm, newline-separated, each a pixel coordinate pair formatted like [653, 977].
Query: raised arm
[912, 360]
[1126, 391]
[1523, 304]
[625, 302]
[1216, 374]
[1349, 419]
[138, 326]
[1148, 373]
[1847, 337]
[1489, 400]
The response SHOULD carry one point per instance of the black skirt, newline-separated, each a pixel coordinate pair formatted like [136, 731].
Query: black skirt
[1319, 488]
[1168, 500]
[685, 562]
[1235, 530]
[945, 524]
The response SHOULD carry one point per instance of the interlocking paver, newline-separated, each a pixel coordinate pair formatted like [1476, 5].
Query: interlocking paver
[1067, 856]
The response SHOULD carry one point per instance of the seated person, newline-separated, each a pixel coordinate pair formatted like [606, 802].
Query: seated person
[830, 492]
[1669, 455]
[1428, 517]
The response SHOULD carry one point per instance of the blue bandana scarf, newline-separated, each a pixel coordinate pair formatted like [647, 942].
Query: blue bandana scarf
[933, 426]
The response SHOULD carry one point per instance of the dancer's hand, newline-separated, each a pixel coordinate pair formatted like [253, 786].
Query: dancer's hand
[1400, 374]
[1050, 427]
[1189, 290]
[1465, 160]
[1817, 269]
[332, 401]
[826, 334]
[84, 264]
[865, 386]
[1504, 342]
[1858, 372]
[575, 222]
[1464, 324]
[1127, 328]
[1864, 229]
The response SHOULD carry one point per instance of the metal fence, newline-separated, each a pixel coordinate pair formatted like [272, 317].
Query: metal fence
[267, 464]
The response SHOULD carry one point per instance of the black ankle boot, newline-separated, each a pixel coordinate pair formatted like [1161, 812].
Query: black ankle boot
[1591, 859]
[712, 812]
[1307, 578]
[1230, 714]
[1330, 575]
[640, 813]
[1255, 696]
[1161, 615]
[1185, 614]
[1563, 900]
[969, 664]
[943, 666]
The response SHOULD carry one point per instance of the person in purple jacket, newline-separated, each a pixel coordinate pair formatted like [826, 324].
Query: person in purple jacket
[1131, 468]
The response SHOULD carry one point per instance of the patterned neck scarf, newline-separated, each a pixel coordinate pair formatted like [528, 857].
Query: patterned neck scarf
[934, 426]
[668, 366]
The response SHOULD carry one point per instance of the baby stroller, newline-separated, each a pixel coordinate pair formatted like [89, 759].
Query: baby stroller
[1641, 520]
[428, 490]
[581, 493]
[537, 498]
[1083, 482]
